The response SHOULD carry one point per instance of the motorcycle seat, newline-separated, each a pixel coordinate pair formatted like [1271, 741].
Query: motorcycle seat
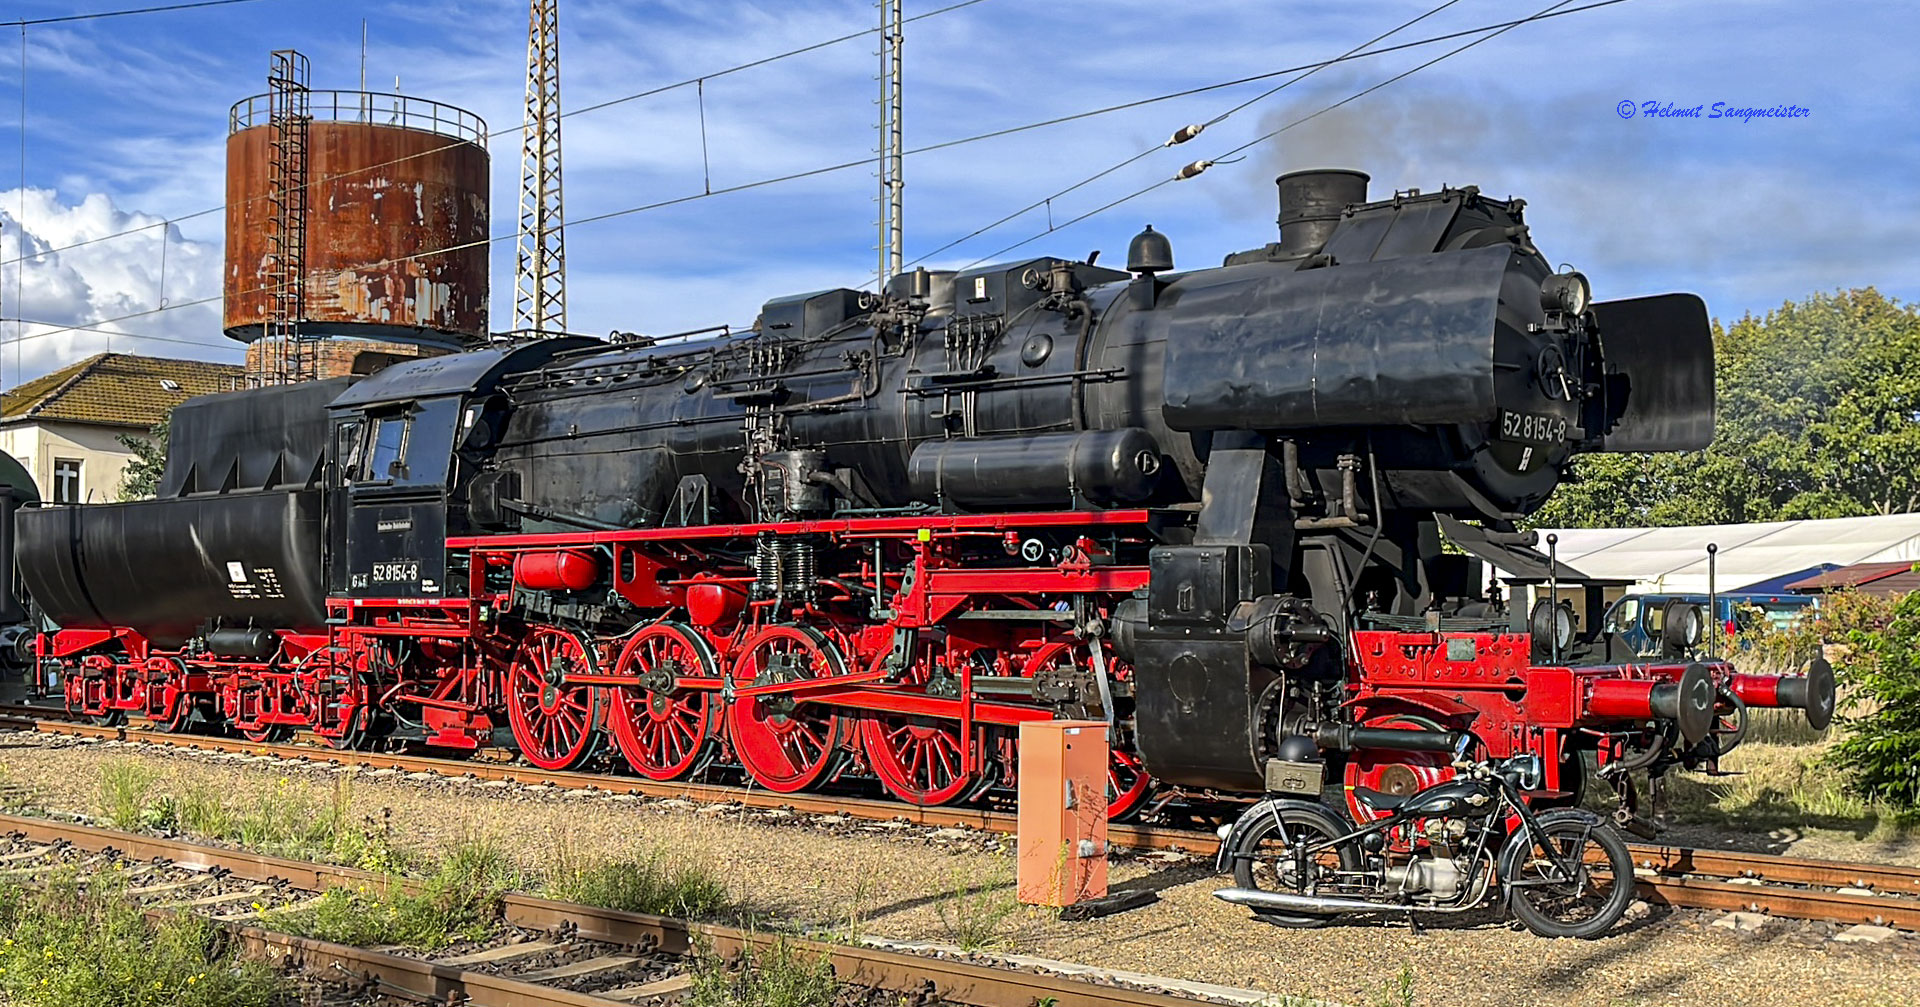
[1379, 800]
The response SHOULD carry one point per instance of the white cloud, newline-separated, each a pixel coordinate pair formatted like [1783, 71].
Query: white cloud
[95, 283]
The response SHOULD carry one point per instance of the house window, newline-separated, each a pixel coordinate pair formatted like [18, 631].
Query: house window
[66, 480]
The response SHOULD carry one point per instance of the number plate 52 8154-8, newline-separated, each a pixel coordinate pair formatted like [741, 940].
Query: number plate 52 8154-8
[1535, 427]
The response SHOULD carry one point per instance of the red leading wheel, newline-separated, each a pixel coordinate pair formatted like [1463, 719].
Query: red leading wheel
[1128, 785]
[665, 731]
[555, 724]
[919, 759]
[785, 744]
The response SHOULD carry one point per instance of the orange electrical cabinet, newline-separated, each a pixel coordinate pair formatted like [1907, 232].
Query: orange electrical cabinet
[1063, 812]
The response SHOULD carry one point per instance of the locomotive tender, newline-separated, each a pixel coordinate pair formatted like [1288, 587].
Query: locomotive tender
[871, 537]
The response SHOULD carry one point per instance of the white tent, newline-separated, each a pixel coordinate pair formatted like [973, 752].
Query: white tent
[1674, 560]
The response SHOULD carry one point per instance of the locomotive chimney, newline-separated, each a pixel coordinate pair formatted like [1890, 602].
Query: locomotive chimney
[1310, 205]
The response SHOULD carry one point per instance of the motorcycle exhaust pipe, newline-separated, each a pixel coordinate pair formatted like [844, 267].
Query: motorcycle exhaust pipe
[1254, 898]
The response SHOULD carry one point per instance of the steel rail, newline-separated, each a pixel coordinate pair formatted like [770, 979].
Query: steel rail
[1678, 876]
[952, 980]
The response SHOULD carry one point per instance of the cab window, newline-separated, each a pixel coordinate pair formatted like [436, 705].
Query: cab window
[386, 449]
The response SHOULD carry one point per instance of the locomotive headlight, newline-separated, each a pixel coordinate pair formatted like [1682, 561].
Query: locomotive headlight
[1566, 292]
[1551, 626]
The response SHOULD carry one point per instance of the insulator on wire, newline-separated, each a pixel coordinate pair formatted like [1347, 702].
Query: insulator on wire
[1192, 170]
[1185, 133]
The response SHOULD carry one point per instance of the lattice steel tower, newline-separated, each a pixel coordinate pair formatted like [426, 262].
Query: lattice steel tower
[540, 287]
[892, 180]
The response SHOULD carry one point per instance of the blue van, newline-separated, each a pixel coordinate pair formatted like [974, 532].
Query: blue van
[1635, 619]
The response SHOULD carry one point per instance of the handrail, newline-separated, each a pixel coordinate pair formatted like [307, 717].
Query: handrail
[404, 111]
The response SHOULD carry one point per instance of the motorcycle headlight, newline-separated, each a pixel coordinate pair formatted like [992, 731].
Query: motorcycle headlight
[1525, 772]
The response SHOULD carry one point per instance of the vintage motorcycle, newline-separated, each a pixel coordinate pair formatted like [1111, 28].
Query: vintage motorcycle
[1460, 845]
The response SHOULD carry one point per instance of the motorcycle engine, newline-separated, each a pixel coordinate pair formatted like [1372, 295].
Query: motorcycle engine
[1430, 876]
[1438, 875]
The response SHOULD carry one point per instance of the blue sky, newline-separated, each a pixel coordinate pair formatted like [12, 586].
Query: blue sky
[126, 118]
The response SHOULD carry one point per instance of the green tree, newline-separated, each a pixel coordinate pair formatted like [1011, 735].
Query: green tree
[1881, 748]
[140, 480]
[1818, 415]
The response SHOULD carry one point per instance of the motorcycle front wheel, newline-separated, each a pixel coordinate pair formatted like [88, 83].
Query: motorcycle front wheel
[1263, 855]
[1551, 904]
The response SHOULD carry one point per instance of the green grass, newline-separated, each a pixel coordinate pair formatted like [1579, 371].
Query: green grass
[1398, 991]
[977, 912]
[127, 798]
[643, 885]
[1782, 785]
[64, 945]
[281, 817]
[778, 976]
[460, 901]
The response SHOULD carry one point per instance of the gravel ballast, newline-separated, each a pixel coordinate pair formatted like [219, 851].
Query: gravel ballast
[894, 881]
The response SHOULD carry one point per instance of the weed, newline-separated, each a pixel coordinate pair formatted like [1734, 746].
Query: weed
[201, 810]
[779, 976]
[71, 946]
[126, 796]
[637, 885]
[1398, 991]
[977, 910]
[460, 902]
[642, 884]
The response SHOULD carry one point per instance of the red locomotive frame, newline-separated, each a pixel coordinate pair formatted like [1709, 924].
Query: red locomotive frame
[802, 693]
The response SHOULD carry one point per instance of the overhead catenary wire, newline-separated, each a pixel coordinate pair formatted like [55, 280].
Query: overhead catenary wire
[1187, 132]
[943, 144]
[1197, 167]
[1492, 30]
[97, 15]
[202, 343]
[696, 82]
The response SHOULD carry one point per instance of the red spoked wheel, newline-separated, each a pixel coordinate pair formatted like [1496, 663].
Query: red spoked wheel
[665, 731]
[556, 724]
[785, 744]
[1128, 784]
[1400, 774]
[920, 760]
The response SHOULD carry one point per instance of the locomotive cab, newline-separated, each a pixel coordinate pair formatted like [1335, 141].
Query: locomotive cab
[403, 461]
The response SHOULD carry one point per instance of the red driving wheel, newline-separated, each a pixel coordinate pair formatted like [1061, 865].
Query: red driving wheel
[664, 730]
[556, 724]
[787, 744]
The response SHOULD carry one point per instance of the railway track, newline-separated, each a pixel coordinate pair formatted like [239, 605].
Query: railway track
[1789, 887]
[548, 944]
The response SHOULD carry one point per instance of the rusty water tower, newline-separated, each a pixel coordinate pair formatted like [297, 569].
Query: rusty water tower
[356, 227]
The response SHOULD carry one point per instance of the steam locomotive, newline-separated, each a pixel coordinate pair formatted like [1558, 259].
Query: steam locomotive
[868, 539]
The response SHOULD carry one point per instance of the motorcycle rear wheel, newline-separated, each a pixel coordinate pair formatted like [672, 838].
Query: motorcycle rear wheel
[1262, 855]
[1587, 905]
